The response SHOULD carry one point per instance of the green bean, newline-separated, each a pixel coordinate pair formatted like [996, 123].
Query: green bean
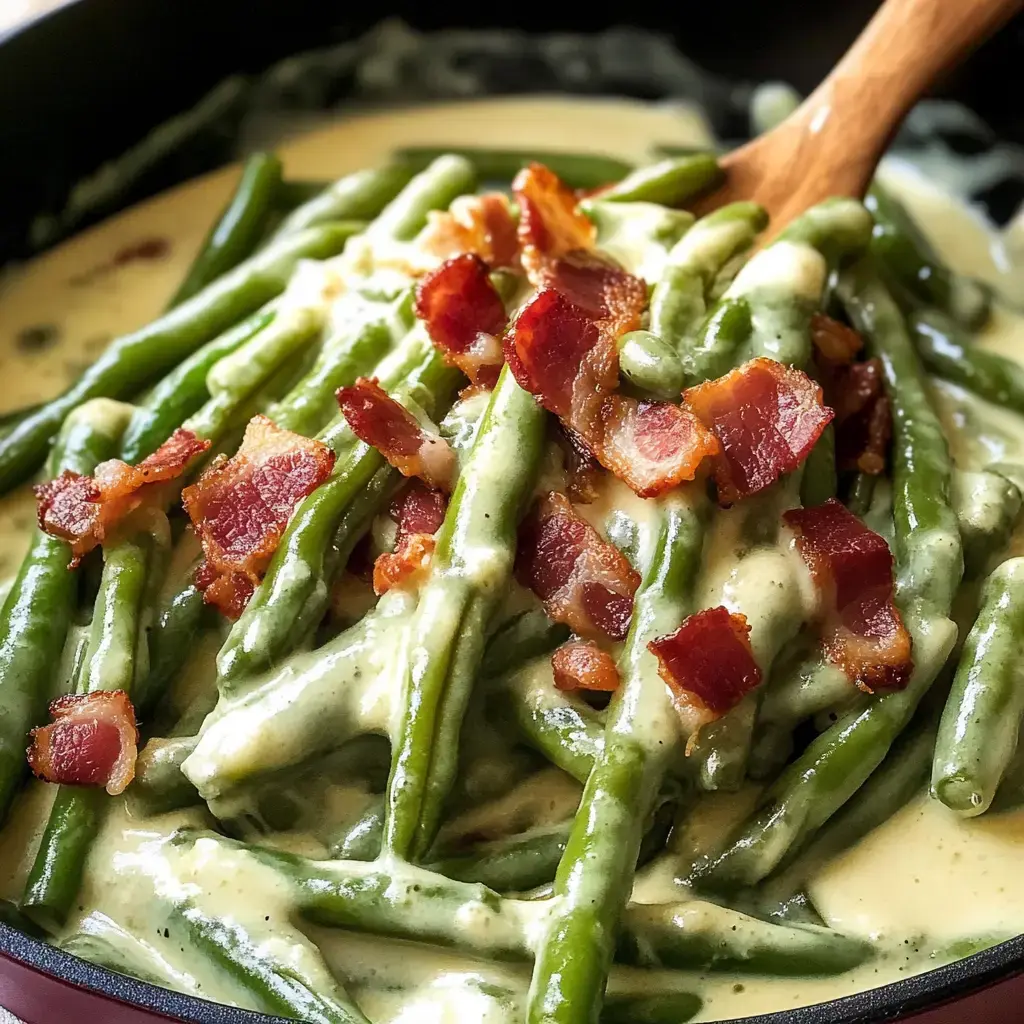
[595, 875]
[577, 170]
[159, 784]
[170, 639]
[948, 354]
[893, 784]
[818, 482]
[650, 365]
[513, 864]
[11, 916]
[639, 235]
[272, 984]
[441, 181]
[978, 734]
[781, 288]
[566, 730]
[295, 591]
[520, 639]
[909, 258]
[929, 565]
[309, 704]
[410, 903]
[667, 1008]
[366, 335]
[294, 192]
[363, 838]
[239, 227]
[522, 862]
[183, 391]
[446, 639]
[56, 873]
[987, 506]
[37, 612]
[671, 182]
[358, 196]
[862, 490]
[135, 359]
[680, 299]
[125, 957]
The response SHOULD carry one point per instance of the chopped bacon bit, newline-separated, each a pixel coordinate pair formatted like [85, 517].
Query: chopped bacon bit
[481, 225]
[464, 315]
[707, 662]
[241, 506]
[767, 418]
[229, 593]
[404, 566]
[419, 513]
[862, 630]
[863, 418]
[417, 509]
[582, 665]
[93, 741]
[558, 252]
[85, 509]
[567, 360]
[583, 580]
[863, 422]
[834, 342]
[653, 446]
[550, 222]
[556, 352]
[385, 424]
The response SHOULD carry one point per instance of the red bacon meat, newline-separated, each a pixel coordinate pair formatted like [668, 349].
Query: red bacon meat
[862, 631]
[419, 513]
[385, 424]
[582, 665]
[707, 663]
[241, 506]
[92, 741]
[583, 580]
[464, 316]
[767, 418]
[83, 510]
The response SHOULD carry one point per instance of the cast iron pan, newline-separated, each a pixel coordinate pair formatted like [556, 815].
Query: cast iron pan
[83, 84]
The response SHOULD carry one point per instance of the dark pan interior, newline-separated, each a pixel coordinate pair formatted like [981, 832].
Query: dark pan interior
[81, 85]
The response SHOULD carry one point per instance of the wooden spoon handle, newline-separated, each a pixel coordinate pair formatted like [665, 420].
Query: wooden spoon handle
[900, 53]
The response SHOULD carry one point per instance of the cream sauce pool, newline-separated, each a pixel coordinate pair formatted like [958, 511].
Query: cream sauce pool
[919, 885]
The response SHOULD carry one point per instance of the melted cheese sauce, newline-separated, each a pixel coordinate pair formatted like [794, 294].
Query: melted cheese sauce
[920, 884]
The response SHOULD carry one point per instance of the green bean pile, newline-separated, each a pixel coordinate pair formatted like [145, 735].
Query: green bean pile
[437, 707]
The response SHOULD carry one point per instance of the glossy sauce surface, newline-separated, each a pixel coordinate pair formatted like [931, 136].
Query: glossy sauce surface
[919, 885]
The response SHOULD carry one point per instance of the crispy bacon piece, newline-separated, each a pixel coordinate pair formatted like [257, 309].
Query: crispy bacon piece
[465, 316]
[419, 513]
[652, 446]
[582, 665]
[582, 469]
[568, 360]
[862, 629]
[856, 392]
[863, 418]
[385, 424]
[550, 222]
[93, 741]
[834, 342]
[241, 506]
[557, 242]
[228, 593]
[481, 225]
[583, 580]
[767, 418]
[85, 509]
[707, 663]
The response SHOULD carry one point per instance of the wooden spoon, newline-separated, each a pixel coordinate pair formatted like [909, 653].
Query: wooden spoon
[830, 145]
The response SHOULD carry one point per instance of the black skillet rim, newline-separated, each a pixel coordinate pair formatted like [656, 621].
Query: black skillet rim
[872, 1006]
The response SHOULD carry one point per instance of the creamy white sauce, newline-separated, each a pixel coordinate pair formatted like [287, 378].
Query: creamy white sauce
[925, 878]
